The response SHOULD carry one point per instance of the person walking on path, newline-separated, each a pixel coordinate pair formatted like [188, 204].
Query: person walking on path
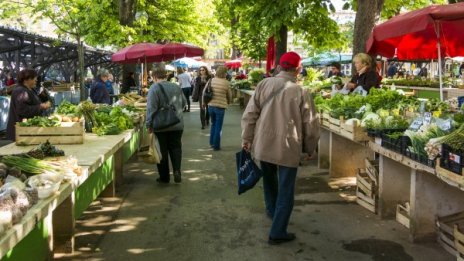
[170, 138]
[279, 123]
[184, 80]
[218, 105]
[200, 83]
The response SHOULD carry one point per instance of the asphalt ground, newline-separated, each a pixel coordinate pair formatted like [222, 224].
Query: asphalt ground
[204, 218]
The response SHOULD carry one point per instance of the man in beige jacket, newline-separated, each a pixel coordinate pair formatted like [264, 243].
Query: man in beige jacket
[279, 123]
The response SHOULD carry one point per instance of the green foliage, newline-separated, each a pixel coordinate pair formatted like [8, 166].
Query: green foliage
[97, 22]
[256, 75]
[308, 19]
[394, 7]
[241, 84]
[40, 121]
[66, 108]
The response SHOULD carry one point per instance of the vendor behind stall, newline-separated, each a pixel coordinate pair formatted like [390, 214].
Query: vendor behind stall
[366, 77]
[25, 103]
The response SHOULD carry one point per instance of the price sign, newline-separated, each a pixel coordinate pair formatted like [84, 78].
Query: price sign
[427, 118]
[416, 124]
[445, 125]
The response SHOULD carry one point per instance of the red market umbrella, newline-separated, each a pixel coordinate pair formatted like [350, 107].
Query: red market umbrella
[234, 64]
[270, 54]
[149, 52]
[428, 33]
[134, 53]
[173, 51]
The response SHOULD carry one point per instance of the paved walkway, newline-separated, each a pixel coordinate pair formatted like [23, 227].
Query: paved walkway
[204, 219]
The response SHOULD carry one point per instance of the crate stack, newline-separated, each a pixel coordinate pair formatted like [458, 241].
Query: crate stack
[450, 235]
[367, 181]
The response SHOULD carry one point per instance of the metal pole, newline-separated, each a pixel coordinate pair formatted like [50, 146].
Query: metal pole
[437, 31]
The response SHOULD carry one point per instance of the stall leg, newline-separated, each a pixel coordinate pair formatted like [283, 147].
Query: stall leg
[346, 156]
[394, 186]
[430, 198]
[63, 226]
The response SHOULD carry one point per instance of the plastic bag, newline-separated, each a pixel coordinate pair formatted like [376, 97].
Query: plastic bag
[152, 154]
[248, 173]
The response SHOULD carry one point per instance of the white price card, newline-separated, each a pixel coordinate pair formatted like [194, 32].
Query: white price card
[427, 118]
[416, 124]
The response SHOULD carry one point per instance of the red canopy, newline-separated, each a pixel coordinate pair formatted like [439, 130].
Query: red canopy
[172, 51]
[233, 64]
[270, 54]
[148, 52]
[134, 53]
[414, 35]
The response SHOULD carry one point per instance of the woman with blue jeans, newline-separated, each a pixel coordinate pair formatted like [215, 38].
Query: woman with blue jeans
[218, 105]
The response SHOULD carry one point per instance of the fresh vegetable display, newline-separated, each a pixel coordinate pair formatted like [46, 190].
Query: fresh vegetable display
[114, 121]
[29, 164]
[45, 150]
[39, 121]
[67, 108]
[87, 109]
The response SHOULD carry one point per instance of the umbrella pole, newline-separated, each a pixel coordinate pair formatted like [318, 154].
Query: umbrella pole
[437, 31]
[440, 72]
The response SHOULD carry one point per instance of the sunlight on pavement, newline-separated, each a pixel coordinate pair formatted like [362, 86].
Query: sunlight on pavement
[141, 251]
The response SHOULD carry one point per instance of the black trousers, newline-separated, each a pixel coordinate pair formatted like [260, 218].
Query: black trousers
[187, 93]
[204, 114]
[171, 147]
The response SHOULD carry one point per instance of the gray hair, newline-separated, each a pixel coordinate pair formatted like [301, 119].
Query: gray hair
[159, 71]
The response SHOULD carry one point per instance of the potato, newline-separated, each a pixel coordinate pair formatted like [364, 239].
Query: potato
[75, 119]
[66, 119]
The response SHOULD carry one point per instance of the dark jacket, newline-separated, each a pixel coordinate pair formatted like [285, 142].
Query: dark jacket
[24, 104]
[155, 100]
[198, 88]
[367, 80]
[127, 83]
[99, 93]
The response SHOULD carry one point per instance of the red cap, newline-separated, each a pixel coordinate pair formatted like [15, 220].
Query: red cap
[290, 60]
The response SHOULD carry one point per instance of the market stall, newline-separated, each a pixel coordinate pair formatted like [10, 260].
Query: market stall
[97, 162]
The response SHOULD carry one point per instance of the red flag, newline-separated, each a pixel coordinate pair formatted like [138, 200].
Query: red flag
[270, 54]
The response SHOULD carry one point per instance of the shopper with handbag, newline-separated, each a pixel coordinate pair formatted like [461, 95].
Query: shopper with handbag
[217, 105]
[279, 123]
[200, 83]
[165, 102]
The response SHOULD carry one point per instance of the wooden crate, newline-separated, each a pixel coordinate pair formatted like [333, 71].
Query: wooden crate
[366, 191]
[325, 119]
[335, 124]
[372, 169]
[67, 133]
[446, 231]
[353, 132]
[449, 176]
[364, 183]
[65, 87]
[403, 214]
[458, 242]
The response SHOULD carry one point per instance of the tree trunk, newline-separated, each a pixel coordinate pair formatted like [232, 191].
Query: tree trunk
[127, 12]
[281, 44]
[80, 55]
[367, 14]
[235, 50]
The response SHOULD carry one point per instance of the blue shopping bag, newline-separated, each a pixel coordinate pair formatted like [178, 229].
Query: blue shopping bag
[248, 173]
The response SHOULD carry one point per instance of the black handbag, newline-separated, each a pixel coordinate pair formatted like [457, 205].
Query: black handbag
[208, 93]
[166, 115]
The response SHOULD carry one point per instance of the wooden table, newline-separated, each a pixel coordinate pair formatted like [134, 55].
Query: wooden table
[49, 225]
[401, 179]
